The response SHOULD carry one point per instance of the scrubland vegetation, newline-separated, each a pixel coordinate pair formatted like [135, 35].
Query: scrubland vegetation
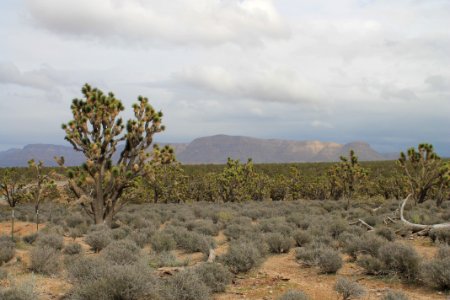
[142, 226]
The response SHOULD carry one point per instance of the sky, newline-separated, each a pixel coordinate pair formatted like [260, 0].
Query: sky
[329, 70]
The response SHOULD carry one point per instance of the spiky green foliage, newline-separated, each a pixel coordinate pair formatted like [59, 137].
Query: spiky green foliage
[425, 171]
[235, 180]
[96, 130]
[346, 177]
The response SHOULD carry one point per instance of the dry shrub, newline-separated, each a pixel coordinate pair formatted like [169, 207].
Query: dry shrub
[44, 260]
[214, 275]
[7, 249]
[73, 248]
[98, 239]
[348, 288]
[278, 243]
[242, 257]
[162, 242]
[293, 295]
[121, 252]
[186, 285]
[52, 240]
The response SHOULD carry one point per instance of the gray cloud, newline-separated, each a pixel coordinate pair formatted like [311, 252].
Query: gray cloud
[204, 22]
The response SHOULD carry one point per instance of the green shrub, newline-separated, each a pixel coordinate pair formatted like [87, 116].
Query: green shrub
[242, 257]
[162, 241]
[214, 275]
[348, 288]
[386, 233]
[436, 273]
[72, 248]
[278, 243]
[166, 259]
[367, 244]
[121, 252]
[52, 240]
[7, 249]
[186, 285]
[371, 265]
[30, 238]
[131, 282]
[441, 235]
[301, 238]
[98, 239]
[44, 260]
[395, 295]
[293, 295]
[400, 259]
[329, 261]
[21, 292]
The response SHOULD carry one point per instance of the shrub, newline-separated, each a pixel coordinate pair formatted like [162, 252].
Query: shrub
[293, 295]
[242, 256]
[72, 248]
[7, 249]
[367, 244]
[348, 288]
[21, 292]
[121, 252]
[400, 259]
[3, 273]
[52, 240]
[443, 252]
[308, 255]
[436, 273]
[440, 235]
[301, 238]
[395, 295]
[131, 282]
[74, 220]
[205, 227]
[186, 285]
[214, 275]
[141, 238]
[336, 227]
[371, 265]
[44, 259]
[193, 242]
[329, 261]
[386, 233]
[162, 241]
[30, 238]
[236, 231]
[98, 239]
[166, 259]
[86, 268]
[278, 243]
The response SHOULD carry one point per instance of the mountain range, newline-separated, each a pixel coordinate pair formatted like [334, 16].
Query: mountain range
[215, 150]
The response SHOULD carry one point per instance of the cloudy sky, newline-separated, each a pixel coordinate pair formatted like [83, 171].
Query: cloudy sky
[330, 70]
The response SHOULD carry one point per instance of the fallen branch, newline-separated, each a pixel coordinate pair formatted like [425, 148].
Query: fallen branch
[425, 229]
[361, 222]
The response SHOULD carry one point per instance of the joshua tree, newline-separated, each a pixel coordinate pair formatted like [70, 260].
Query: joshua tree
[235, 181]
[12, 187]
[97, 130]
[41, 188]
[346, 177]
[424, 171]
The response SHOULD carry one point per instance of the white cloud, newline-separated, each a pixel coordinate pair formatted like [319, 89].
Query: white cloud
[203, 22]
[268, 85]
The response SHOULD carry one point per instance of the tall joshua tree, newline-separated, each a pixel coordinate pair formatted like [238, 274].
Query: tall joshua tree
[97, 130]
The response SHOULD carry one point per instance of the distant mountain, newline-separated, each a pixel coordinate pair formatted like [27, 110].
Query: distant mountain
[214, 149]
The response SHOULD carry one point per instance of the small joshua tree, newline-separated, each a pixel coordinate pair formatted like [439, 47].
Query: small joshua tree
[424, 171]
[97, 131]
[41, 188]
[346, 177]
[12, 187]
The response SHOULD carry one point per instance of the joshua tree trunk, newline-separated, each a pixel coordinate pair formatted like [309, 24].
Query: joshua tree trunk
[12, 223]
